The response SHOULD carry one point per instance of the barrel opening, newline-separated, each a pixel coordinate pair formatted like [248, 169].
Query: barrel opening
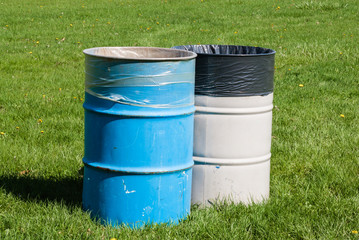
[140, 53]
[227, 50]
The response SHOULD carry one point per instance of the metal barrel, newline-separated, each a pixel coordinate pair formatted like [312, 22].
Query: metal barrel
[139, 105]
[233, 123]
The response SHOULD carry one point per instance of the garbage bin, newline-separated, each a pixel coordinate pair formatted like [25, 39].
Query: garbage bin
[139, 106]
[233, 122]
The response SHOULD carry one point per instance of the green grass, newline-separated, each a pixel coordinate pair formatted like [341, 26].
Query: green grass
[315, 151]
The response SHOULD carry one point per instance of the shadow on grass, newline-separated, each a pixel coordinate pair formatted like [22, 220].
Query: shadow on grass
[67, 190]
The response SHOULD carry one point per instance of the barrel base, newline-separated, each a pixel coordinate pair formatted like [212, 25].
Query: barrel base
[118, 198]
[245, 183]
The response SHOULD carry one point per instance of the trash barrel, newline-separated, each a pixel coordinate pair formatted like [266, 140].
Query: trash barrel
[233, 123]
[139, 106]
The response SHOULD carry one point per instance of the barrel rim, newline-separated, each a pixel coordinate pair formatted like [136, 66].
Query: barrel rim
[188, 54]
[100, 166]
[272, 52]
[198, 160]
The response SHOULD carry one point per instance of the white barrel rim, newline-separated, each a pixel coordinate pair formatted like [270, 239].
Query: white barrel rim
[234, 110]
[231, 161]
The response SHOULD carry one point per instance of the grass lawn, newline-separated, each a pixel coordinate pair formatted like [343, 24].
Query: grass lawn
[315, 145]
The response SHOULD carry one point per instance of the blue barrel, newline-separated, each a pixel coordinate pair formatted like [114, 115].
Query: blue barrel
[139, 106]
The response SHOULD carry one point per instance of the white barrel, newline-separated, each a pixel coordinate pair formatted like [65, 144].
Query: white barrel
[233, 123]
[232, 141]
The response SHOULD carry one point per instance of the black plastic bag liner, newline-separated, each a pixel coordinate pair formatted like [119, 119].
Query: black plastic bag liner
[231, 71]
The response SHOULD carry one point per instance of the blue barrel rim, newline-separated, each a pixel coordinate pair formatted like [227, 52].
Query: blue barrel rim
[170, 112]
[173, 54]
[108, 168]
